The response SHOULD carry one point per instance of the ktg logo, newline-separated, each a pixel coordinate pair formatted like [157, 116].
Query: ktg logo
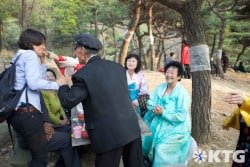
[219, 156]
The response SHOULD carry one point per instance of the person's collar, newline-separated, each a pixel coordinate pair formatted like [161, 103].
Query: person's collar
[22, 50]
[91, 56]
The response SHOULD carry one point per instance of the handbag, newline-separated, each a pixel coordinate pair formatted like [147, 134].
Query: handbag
[142, 100]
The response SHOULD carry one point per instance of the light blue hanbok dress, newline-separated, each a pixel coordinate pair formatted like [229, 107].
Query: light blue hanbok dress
[170, 140]
[133, 91]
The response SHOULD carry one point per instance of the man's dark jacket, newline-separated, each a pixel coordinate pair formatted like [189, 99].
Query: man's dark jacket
[102, 88]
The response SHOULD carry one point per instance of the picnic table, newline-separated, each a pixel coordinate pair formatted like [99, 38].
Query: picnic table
[145, 131]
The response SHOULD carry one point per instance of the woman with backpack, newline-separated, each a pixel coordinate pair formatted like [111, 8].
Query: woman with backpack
[28, 120]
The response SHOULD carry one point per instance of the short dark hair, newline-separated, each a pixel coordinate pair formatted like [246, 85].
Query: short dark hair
[185, 42]
[176, 64]
[90, 51]
[52, 71]
[132, 55]
[30, 37]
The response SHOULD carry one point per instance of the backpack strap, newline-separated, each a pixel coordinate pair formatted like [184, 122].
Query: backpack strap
[9, 128]
[11, 137]
[15, 60]
[27, 99]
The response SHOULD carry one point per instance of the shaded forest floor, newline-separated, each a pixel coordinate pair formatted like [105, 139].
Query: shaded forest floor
[220, 139]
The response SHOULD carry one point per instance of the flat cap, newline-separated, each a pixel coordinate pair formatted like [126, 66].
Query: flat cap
[88, 41]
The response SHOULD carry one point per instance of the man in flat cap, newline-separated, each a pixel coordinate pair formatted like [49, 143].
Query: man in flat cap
[111, 121]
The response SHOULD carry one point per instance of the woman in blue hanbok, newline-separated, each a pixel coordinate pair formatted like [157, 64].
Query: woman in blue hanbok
[169, 121]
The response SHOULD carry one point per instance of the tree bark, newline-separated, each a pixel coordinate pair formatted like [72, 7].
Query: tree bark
[96, 26]
[220, 46]
[222, 33]
[1, 34]
[239, 55]
[161, 55]
[219, 69]
[213, 46]
[24, 15]
[201, 106]
[115, 44]
[141, 48]
[223, 19]
[150, 33]
[163, 52]
[131, 30]
[103, 53]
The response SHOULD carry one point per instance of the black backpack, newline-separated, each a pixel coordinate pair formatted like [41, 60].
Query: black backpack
[9, 97]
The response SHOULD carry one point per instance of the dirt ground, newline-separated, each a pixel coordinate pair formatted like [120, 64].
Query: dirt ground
[220, 139]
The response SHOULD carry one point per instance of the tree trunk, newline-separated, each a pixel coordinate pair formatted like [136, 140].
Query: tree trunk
[222, 33]
[159, 61]
[96, 26]
[201, 106]
[24, 15]
[1, 34]
[160, 57]
[239, 55]
[141, 48]
[201, 81]
[164, 53]
[219, 69]
[138, 35]
[115, 44]
[221, 41]
[213, 46]
[49, 45]
[103, 43]
[220, 46]
[150, 33]
[131, 30]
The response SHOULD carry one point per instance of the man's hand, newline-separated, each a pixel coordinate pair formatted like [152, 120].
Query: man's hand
[51, 64]
[62, 81]
[67, 64]
[52, 55]
[234, 98]
[48, 130]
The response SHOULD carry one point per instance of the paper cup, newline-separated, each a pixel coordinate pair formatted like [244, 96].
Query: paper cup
[77, 132]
